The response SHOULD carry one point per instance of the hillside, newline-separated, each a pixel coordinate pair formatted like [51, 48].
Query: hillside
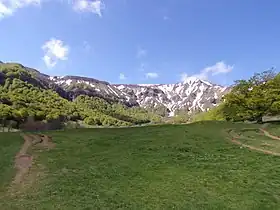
[154, 167]
[193, 95]
[25, 92]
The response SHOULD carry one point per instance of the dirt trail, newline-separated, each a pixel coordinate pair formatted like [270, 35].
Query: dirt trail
[234, 139]
[23, 160]
[254, 148]
[266, 133]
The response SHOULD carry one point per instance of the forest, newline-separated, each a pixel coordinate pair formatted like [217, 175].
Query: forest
[22, 95]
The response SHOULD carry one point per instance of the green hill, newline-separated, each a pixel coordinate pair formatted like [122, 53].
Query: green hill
[24, 94]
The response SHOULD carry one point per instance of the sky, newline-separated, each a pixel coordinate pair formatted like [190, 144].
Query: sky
[142, 41]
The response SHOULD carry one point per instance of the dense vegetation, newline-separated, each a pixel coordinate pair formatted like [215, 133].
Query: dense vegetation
[249, 100]
[23, 95]
[156, 167]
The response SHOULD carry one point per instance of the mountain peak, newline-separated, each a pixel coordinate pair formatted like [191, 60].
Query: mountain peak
[193, 79]
[190, 80]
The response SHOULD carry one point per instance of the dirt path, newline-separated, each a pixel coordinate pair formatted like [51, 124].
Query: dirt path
[266, 133]
[235, 138]
[254, 148]
[23, 160]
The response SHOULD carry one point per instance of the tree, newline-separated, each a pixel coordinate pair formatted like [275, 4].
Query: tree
[253, 98]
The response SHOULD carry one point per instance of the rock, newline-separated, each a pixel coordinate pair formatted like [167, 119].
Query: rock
[275, 118]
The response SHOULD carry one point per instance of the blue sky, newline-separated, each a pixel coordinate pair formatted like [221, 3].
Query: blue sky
[147, 41]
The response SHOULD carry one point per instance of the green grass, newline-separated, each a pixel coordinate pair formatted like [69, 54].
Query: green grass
[257, 139]
[274, 129]
[9, 145]
[188, 167]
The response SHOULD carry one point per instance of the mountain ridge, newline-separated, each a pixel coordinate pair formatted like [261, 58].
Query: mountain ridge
[192, 95]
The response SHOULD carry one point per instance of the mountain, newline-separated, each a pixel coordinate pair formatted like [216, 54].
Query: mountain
[192, 95]
[27, 95]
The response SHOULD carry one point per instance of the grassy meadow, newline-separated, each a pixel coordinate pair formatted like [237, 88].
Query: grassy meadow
[193, 166]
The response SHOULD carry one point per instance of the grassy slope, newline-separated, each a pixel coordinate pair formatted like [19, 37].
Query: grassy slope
[158, 167]
[274, 129]
[9, 145]
[257, 139]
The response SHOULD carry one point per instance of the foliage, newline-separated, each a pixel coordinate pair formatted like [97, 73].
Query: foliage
[215, 113]
[249, 100]
[178, 119]
[22, 95]
[159, 109]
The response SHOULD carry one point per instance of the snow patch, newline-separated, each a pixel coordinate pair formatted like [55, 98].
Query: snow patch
[110, 88]
[68, 82]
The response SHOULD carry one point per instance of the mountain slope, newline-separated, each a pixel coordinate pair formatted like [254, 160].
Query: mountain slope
[193, 95]
[25, 92]
[76, 85]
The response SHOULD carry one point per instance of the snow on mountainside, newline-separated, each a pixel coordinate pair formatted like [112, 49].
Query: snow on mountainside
[93, 87]
[193, 94]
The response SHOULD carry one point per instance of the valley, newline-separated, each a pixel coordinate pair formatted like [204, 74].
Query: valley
[131, 105]
[80, 143]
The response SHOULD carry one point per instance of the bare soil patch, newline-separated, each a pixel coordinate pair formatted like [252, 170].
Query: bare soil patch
[24, 160]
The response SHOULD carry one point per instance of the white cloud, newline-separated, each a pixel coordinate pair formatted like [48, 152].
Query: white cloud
[184, 77]
[202, 75]
[141, 52]
[219, 68]
[5, 11]
[55, 51]
[151, 75]
[9, 7]
[95, 6]
[122, 76]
